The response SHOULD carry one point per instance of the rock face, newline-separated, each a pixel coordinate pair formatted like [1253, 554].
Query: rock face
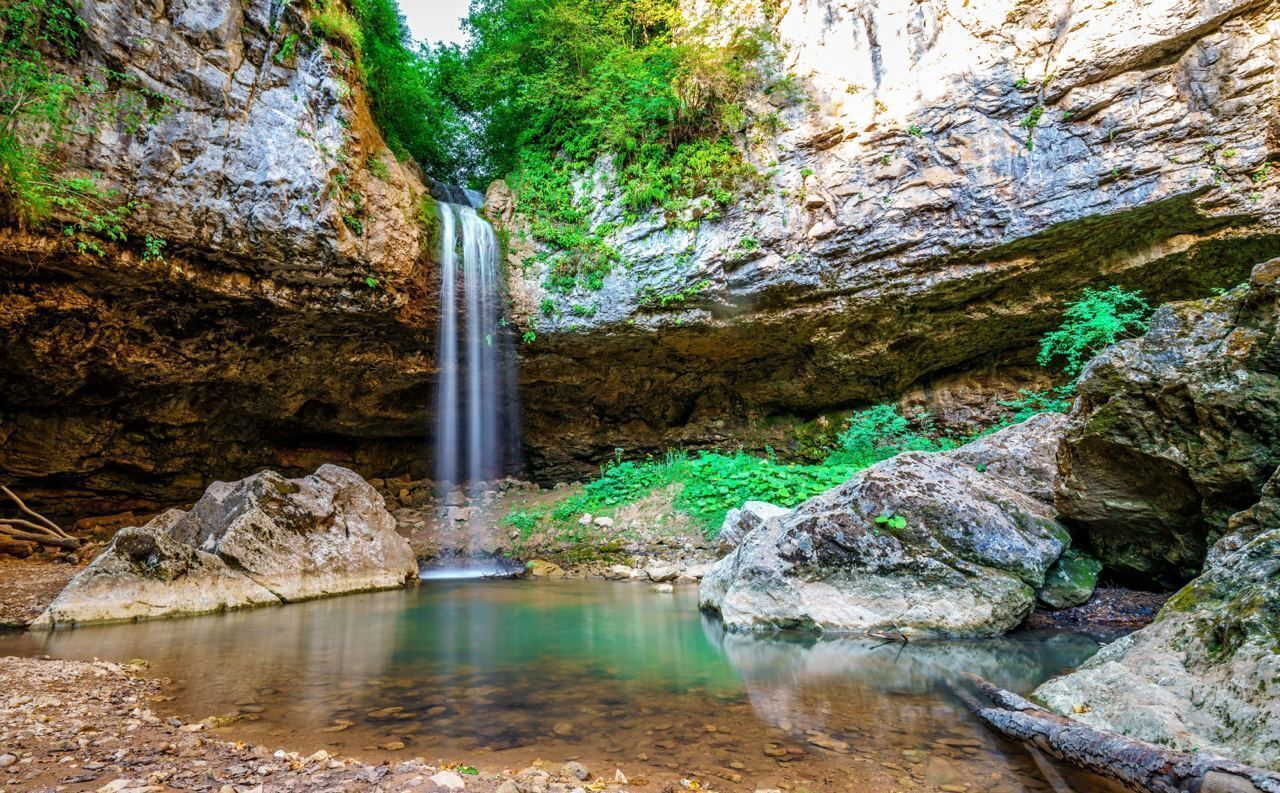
[966, 558]
[1024, 457]
[1204, 675]
[740, 522]
[262, 540]
[956, 172]
[1177, 430]
[257, 341]
[916, 236]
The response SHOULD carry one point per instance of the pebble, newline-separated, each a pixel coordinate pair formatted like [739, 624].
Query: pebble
[448, 780]
[576, 770]
[563, 728]
[7, 760]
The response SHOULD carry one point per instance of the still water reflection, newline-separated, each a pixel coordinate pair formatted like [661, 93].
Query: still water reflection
[498, 673]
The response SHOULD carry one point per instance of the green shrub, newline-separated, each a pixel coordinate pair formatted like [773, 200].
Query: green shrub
[1030, 403]
[337, 26]
[40, 106]
[880, 432]
[1100, 318]
[712, 483]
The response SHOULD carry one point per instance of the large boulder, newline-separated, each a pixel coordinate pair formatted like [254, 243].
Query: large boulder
[1024, 456]
[965, 557]
[1175, 431]
[320, 535]
[1205, 675]
[262, 540]
[145, 574]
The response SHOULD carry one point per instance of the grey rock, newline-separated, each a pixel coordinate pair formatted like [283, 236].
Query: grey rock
[1024, 456]
[1204, 675]
[740, 522]
[967, 562]
[145, 574]
[575, 769]
[1244, 526]
[1070, 581]
[1175, 431]
[902, 260]
[264, 539]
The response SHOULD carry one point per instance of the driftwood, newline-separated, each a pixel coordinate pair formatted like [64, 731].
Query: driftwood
[1135, 764]
[39, 529]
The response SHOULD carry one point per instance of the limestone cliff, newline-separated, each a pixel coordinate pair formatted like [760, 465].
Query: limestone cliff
[956, 171]
[950, 174]
[288, 321]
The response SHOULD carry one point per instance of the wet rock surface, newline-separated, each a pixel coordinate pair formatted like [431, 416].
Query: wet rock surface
[262, 540]
[919, 543]
[1175, 431]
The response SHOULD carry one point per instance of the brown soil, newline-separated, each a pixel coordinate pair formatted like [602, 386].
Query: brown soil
[27, 586]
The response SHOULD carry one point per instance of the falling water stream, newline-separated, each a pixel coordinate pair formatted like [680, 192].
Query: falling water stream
[477, 430]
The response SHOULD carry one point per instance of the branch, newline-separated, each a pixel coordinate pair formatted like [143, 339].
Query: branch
[1136, 764]
[40, 539]
[28, 510]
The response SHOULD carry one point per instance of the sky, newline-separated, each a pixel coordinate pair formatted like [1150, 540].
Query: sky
[435, 20]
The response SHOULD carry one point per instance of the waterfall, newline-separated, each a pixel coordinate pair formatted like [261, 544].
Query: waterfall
[477, 429]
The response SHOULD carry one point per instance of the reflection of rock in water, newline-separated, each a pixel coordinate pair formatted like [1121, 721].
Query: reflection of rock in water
[780, 672]
[309, 654]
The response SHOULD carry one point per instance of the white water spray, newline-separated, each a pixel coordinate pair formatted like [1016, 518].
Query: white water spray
[477, 430]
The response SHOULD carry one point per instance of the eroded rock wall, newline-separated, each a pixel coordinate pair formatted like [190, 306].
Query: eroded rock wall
[957, 171]
[275, 332]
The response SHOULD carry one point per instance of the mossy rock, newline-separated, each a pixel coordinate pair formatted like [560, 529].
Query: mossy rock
[1071, 580]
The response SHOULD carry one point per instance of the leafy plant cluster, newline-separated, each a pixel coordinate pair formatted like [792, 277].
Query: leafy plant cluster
[42, 104]
[547, 90]
[1100, 318]
[711, 483]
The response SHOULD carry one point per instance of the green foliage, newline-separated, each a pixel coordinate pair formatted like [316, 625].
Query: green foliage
[1030, 122]
[1098, 319]
[528, 337]
[335, 24]
[656, 298]
[891, 521]
[915, 131]
[1030, 403]
[40, 107]
[406, 92]
[287, 48]
[378, 168]
[153, 249]
[545, 89]
[880, 432]
[711, 483]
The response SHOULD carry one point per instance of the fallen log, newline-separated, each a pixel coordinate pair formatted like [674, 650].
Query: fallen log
[1135, 764]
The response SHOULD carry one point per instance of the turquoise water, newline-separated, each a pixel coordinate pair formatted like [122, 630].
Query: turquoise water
[500, 673]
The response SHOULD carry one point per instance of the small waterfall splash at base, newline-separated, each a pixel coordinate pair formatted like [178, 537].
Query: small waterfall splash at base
[477, 426]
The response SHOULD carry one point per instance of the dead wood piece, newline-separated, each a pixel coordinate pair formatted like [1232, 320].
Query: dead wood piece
[1136, 764]
[40, 530]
